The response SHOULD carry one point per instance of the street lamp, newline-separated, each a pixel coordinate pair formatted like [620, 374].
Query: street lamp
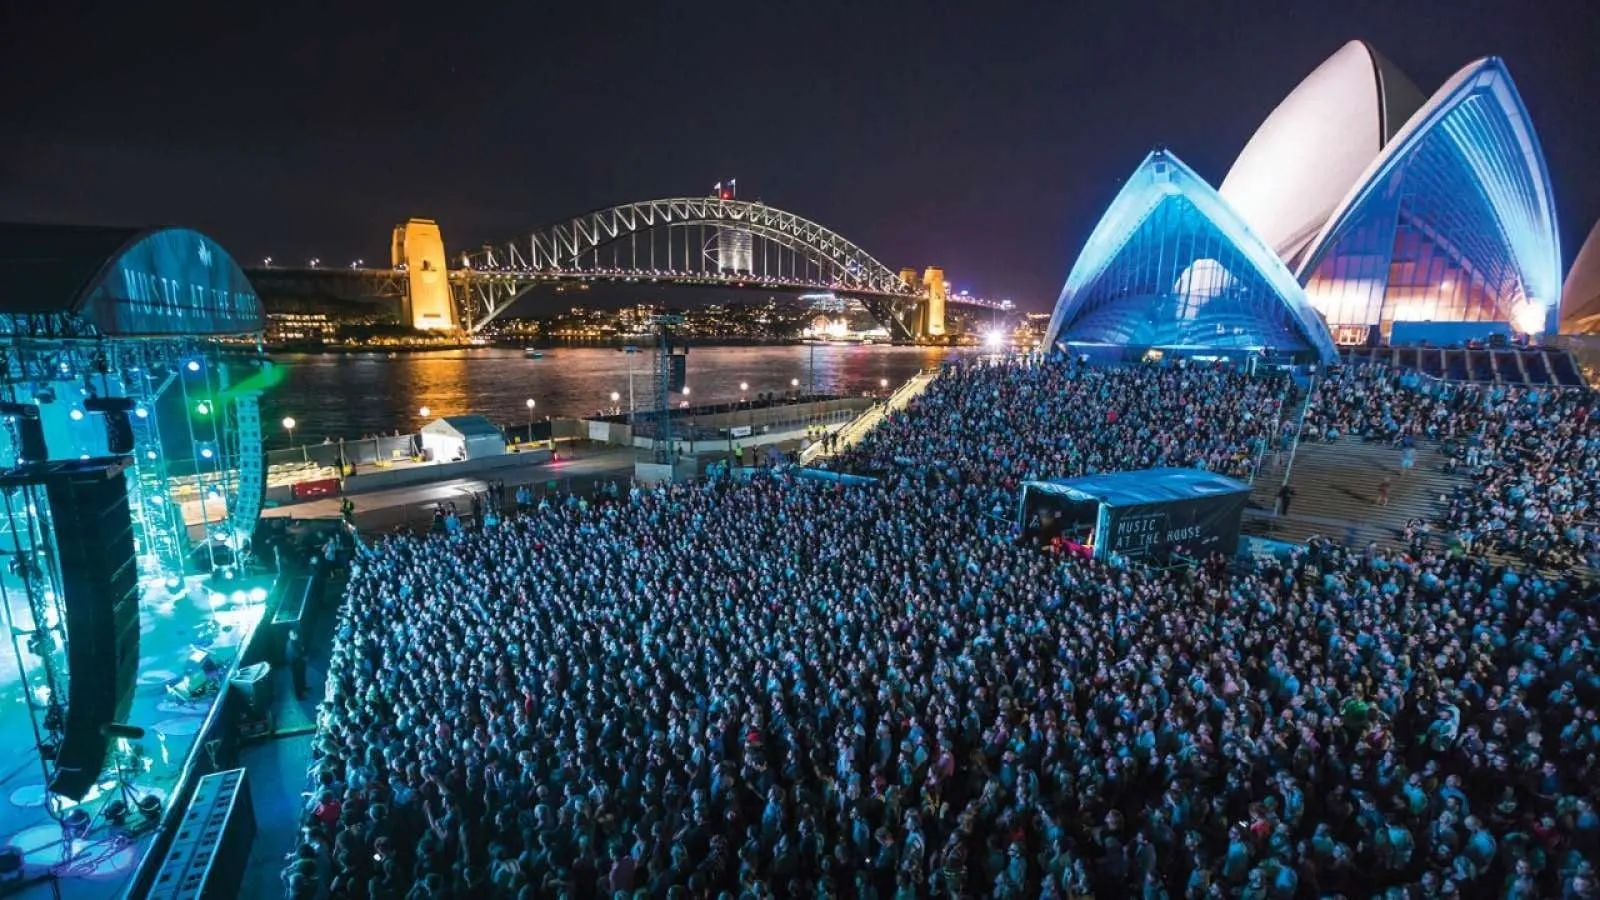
[529, 404]
[616, 398]
[425, 412]
[288, 425]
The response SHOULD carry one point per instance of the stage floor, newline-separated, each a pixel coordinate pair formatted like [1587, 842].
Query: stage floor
[170, 631]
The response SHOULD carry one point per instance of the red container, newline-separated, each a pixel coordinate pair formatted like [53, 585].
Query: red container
[311, 490]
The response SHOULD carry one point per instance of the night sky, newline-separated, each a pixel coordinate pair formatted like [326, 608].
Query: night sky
[983, 137]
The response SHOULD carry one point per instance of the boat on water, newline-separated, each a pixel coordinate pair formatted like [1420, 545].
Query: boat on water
[628, 348]
[531, 353]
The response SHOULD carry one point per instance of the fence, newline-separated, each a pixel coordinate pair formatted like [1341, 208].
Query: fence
[692, 431]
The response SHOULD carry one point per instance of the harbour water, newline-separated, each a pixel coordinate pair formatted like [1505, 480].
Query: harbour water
[352, 395]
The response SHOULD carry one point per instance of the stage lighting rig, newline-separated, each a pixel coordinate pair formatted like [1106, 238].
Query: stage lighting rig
[119, 429]
[27, 432]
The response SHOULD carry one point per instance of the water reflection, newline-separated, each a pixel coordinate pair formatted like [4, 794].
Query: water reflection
[352, 395]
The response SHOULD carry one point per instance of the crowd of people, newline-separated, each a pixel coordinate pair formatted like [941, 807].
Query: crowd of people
[995, 425]
[780, 686]
[1532, 455]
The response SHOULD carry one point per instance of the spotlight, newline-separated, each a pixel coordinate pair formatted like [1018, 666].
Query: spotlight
[76, 415]
[193, 365]
[258, 594]
[116, 812]
[150, 806]
[174, 582]
[75, 825]
[207, 453]
[142, 413]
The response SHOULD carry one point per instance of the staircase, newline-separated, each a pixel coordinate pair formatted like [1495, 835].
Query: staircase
[856, 429]
[1336, 486]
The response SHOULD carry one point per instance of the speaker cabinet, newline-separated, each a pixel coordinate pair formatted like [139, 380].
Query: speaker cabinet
[254, 685]
[100, 592]
[211, 849]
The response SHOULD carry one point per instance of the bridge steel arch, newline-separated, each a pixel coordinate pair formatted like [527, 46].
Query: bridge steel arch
[495, 277]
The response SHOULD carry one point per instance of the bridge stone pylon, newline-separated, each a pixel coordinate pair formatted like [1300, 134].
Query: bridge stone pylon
[418, 249]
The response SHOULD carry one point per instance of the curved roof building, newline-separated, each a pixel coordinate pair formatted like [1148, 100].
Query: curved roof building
[1314, 147]
[1171, 265]
[122, 283]
[1452, 222]
[1580, 298]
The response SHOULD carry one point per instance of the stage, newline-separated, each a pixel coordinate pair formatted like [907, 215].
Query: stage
[188, 644]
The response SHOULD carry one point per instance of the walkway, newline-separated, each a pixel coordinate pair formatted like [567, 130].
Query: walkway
[277, 764]
[387, 510]
[858, 428]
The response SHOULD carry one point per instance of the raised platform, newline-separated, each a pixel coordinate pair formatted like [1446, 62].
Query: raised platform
[214, 617]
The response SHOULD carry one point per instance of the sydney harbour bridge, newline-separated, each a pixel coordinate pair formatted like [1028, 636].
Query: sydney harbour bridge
[713, 241]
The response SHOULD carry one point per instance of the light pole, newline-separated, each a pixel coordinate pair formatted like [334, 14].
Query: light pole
[288, 425]
[745, 386]
[529, 404]
[630, 390]
[615, 399]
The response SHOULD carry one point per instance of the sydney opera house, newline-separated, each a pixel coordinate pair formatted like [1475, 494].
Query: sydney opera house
[1360, 212]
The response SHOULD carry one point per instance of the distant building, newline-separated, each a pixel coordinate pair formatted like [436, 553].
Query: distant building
[295, 327]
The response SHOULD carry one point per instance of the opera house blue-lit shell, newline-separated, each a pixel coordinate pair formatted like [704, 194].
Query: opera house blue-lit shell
[1453, 222]
[1171, 266]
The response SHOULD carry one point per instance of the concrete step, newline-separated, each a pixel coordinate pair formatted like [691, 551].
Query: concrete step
[1336, 489]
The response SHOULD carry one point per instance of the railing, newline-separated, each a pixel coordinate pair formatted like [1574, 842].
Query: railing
[869, 418]
[1276, 436]
[1294, 446]
[646, 429]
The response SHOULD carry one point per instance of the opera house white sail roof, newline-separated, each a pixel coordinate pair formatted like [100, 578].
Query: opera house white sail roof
[1313, 148]
[1580, 299]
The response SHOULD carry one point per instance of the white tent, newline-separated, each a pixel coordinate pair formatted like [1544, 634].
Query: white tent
[454, 438]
